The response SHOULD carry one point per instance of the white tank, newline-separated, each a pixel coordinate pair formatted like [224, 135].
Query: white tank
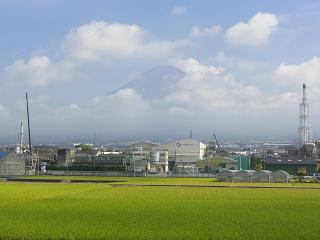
[166, 156]
[18, 150]
[166, 166]
[148, 166]
[154, 156]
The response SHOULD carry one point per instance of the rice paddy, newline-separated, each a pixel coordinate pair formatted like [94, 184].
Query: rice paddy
[101, 211]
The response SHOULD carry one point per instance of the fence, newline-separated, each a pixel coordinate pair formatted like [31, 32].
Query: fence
[124, 174]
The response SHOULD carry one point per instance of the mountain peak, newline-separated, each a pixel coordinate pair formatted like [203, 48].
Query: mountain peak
[156, 82]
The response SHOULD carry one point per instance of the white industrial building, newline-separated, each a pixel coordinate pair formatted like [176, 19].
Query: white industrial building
[185, 150]
[146, 160]
[183, 154]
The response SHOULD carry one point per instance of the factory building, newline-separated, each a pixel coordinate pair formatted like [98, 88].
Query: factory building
[185, 150]
[183, 154]
[145, 161]
[65, 155]
[142, 146]
[216, 164]
[46, 153]
[294, 166]
[11, 164]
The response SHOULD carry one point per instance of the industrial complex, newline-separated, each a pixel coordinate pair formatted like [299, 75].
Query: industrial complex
[186, 156]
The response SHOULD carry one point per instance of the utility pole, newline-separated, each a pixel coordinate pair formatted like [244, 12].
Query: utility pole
[94, 138]
[29, 133]
[134, 166]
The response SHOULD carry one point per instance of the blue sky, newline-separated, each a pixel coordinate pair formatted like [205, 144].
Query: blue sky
[244, 63]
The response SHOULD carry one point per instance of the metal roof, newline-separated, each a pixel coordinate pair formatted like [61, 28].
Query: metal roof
[291, 160]
[3, 154]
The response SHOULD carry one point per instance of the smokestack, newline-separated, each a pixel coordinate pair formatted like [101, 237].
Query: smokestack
[21, 135]
[304, 87]
[29, 134]
[19, 146]
[190, 133]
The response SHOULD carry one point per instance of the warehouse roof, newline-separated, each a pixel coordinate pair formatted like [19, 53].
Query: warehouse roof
[3, 154]
[291, 160]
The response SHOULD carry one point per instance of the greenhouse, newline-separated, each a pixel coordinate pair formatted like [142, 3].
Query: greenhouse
[261, 176]
[226, 176]
[280, 176]
[243, 176]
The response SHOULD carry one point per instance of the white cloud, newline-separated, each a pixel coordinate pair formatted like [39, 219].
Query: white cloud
[99, 40]
[255, 32]
[210, 92]
[178, 10]
[3, 111]
[122, 106]
[39, 71]
[46, 113]
[192, 66]
[232, 62]
[71, 111]
[198, 74]
[179, 111]
[198, 32]
[292, 76]
[307, 72]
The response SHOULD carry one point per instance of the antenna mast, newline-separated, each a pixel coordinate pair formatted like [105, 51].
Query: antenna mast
[29, 134]
[305, 130]
[94, 137]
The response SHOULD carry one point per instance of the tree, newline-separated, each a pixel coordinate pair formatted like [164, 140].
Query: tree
[255, 163]
[84, 146]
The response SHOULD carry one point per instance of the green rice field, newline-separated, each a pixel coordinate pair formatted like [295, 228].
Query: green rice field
[103, 211]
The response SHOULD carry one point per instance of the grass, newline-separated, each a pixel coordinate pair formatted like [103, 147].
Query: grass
[171, 180]
[100, 211]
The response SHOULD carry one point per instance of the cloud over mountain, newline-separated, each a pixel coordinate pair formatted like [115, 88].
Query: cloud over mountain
[208, 95]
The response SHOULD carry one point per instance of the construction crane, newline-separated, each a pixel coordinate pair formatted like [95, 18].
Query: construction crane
[217, 143]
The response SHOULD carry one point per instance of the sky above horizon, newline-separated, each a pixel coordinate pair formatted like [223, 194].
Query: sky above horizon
[243, 65]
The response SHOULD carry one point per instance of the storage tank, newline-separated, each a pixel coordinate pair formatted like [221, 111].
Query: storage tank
[166, 165]
[148, 166]
[166, 156]
[154, 156]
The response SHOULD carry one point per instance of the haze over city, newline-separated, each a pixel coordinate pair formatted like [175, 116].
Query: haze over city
[154, 70]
